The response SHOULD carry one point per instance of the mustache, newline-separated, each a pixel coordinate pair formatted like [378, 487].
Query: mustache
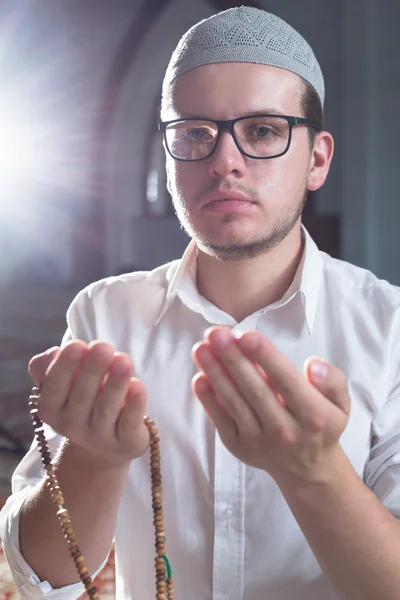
[216, 187]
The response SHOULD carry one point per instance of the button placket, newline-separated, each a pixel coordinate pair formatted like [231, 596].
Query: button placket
[229, 525]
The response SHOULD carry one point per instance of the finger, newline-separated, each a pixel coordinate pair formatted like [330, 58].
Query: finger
[215, 411]
[110, 399]
[88, 382]
[329, 380]
[252, 382]
[132, 415]
[57, 382]
[224, 387]
[306, 403]
[39, 364]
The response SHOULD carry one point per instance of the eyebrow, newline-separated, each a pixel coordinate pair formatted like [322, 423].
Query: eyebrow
[265, 111]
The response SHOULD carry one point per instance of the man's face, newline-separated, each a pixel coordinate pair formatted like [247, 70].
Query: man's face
[275, 188]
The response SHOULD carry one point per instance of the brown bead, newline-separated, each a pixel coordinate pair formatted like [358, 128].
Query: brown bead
[89, 585]
[58, 499]
[160, 596]
[63, 516]
[83, 572]
[158, 524]
[70, 534]
[92, 592]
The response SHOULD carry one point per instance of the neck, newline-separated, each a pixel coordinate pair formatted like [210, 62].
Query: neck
[262, 280]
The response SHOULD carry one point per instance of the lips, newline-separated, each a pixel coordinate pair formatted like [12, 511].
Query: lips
[226, 196]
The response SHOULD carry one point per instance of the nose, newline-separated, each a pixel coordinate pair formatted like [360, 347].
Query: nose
[227, 158]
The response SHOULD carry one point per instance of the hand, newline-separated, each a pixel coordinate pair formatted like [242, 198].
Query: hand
[89, 396]
[267, 414]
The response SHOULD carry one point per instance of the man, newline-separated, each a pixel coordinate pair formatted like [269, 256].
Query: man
[282, 492]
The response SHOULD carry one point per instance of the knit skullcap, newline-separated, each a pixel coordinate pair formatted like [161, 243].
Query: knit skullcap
[248, 35]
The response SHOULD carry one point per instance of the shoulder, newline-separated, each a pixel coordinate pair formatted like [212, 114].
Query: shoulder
[359, 284]
[139, 295]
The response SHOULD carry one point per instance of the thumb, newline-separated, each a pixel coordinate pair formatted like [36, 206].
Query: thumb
[316, 370]
[39, 364]
[329, 380]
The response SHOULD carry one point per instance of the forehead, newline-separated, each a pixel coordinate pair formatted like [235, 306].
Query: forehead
[230, 90]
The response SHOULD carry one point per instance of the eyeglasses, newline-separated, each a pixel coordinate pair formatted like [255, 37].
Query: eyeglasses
[256, 136]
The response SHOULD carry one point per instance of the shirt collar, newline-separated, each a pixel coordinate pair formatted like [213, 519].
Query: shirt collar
[181, 280]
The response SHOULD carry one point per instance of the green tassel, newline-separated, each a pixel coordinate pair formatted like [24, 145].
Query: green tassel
[169, 570]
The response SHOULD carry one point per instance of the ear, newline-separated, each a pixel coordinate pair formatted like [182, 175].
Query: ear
[321, 158]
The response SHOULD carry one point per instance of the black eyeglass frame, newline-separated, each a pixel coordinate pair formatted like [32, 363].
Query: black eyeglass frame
[229, 126]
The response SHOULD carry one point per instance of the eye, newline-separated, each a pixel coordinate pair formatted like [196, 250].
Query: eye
[260, 131]
[196, 134]
[263, 131]
[200, 134]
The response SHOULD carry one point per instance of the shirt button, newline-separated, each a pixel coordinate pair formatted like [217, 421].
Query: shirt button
[228, 513]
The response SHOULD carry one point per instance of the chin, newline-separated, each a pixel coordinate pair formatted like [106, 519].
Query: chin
[234, 250]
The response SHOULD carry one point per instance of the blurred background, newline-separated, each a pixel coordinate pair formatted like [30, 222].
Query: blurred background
[82, 183]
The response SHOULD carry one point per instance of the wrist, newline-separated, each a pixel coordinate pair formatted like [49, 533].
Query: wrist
[326, 479]
[91, 462]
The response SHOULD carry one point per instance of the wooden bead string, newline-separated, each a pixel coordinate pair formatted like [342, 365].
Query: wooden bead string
[164, 582]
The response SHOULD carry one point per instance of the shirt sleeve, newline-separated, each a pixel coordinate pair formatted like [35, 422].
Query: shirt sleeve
[382, 471]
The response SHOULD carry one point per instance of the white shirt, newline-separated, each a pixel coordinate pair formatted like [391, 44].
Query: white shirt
[230, 533]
